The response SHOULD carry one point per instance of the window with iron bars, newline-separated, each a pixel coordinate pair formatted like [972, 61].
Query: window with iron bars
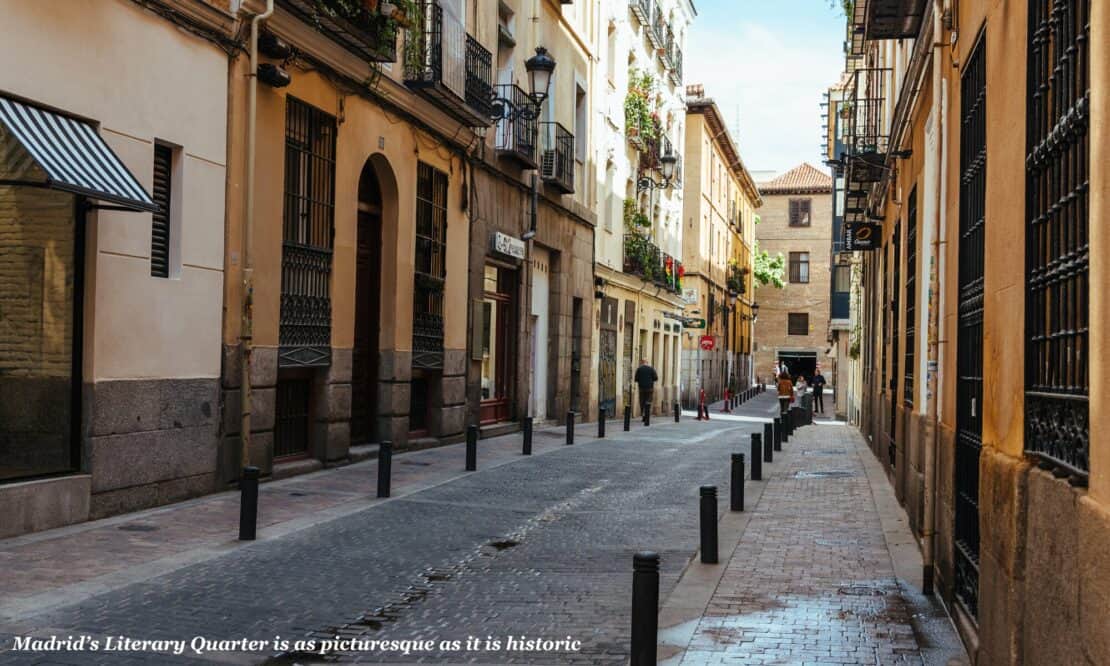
[1057, 306]
[797, 323]
[799, 267]
[307, 229]
[430, 270]
[911, 298]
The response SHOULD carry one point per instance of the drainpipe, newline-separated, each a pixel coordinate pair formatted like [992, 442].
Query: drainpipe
[936, 287]
[246, 327]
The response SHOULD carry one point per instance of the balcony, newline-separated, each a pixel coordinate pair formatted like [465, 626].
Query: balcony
[641, 9]
[668, 49]
[370, 36]
[516, 138]
[654, 149]
[676, 67]
[449, 67]
[865, 140]
[557, 158]
[645, 260]
[658, 29]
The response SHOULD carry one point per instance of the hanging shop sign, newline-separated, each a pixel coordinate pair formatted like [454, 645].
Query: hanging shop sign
[507, 245]
[693, 322]
[862, 236]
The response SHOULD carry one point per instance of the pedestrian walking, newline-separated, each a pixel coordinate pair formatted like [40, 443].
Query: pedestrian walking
[786, 391]
[645, 379]
[818, 384]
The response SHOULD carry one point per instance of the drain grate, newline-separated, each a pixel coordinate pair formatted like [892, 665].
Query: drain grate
[831, 474]
[415, 463]
[860, 591]
[825, 452]
[138, 527]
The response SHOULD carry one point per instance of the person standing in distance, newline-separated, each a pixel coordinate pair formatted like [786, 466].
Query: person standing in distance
[645, 379]
[818, 384]
[786, 391]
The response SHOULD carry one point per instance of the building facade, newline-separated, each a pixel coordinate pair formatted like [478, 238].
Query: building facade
[111, 257]
[640, 121]
[719, 217]
[796, 222]
[972, 173]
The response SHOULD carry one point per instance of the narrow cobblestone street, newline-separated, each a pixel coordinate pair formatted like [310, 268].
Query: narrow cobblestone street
[527, 547]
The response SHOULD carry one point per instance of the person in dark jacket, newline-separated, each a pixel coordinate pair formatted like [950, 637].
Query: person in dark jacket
[818, 384]
[645, 378]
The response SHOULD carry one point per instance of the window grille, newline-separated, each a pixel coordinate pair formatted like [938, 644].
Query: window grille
[1057, 429]
[800, 212]
[431, 266]
[799, 267]
[797, 323]
[307, 229]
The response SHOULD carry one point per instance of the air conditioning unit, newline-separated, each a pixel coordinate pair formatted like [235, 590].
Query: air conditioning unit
[549, 165]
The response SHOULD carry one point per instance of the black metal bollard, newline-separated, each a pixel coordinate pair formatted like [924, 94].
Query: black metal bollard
[627, 418]
[768, 451]
[248, 503]
[709, 524]
[757, 457]
[786, 426]
[471, 448]
[769, 436]
[527, 436]
[736, 487]
[601, 422]
[778, 433]
[645, 608]
[677, 412]
[570, 428]
[385, 467]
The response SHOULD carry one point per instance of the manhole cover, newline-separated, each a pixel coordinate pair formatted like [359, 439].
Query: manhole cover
[832, 474]
[138, 527]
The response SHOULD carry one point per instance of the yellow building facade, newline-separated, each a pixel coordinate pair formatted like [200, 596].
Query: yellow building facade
[719, 217]
[979, 145]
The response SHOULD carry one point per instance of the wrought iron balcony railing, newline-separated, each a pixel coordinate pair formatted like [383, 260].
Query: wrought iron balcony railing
[866, 139]
[668, 49]
[557, 159]
[371, 37]
[449, 67]
[654, 149]
[644, 259]
[516, 137]
[658, 30]
[642, 10]
[676, 67]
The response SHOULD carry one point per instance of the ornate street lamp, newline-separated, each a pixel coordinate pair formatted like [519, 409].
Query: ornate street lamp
[666, 166]
[539, 68]
[755, 312]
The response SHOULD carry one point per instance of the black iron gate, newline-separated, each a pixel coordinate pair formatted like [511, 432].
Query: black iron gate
[1057, 426]
[969, 349]
[607, 358]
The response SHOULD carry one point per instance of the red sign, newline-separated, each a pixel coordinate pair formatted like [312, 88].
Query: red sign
[707, 342]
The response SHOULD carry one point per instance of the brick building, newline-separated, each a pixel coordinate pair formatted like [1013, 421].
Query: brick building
[796, 221]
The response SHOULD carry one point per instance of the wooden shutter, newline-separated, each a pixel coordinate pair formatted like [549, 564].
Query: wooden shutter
[160, 225]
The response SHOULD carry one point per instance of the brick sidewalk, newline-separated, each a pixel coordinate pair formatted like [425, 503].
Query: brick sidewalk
[811, 579]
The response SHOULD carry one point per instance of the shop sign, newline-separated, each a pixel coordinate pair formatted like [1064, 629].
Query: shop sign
[691, 322]
[690, 296]
[507, 245]
[707, 342]
[862, 236]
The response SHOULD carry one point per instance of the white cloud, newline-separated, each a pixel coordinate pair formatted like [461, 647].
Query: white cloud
[775, 79]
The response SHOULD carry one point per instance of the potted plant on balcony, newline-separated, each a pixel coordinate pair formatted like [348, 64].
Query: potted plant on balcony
[639, 108]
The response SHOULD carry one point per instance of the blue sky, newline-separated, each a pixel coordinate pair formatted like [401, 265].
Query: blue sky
[769, 61]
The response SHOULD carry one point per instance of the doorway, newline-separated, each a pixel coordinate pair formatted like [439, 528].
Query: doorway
[498, 344]
[368, 279]
[607, 358]
[799, 364]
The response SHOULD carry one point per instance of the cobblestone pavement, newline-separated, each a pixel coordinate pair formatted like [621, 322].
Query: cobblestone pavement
[539, 546]
[811, 580]
[525, 548]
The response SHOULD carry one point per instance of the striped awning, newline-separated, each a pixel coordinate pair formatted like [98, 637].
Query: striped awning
[38, 147]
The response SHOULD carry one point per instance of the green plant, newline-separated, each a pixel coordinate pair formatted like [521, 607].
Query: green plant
[768, 270]
[365, 15]
[640, 114]
[634, 218]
